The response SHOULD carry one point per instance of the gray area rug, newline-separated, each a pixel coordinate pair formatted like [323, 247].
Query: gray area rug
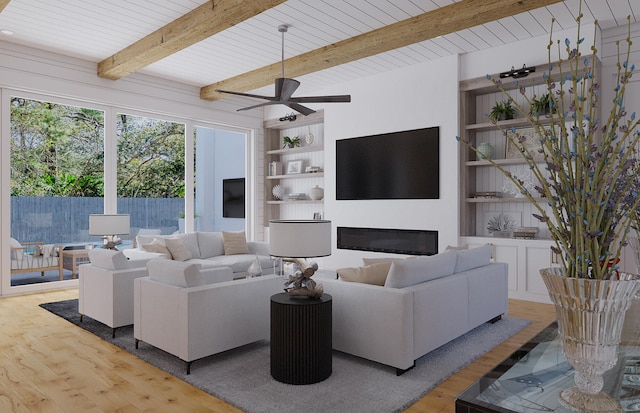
[242, 376]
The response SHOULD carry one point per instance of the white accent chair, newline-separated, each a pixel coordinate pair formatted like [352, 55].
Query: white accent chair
[194, 313]
[106, 287]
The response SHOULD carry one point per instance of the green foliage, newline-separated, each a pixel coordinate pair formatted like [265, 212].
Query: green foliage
[542, 105]
[291, 142]
[502, 110]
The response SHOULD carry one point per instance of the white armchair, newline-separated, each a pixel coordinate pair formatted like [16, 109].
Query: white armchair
[106, 287]
[193, 313]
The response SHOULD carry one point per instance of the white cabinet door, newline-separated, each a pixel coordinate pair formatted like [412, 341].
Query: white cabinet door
[537, 257]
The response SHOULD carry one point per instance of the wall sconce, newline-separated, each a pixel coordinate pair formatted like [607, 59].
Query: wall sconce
[289, 116]
[518, 73]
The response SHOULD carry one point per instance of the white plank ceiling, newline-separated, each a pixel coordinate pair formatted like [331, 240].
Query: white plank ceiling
[96, 29]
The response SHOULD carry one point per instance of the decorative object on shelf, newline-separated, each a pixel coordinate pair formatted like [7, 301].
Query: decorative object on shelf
[290, 142]
[487, 194]
[109, 226]
[528, 180]
[485, 151]
[527, 141]
[590, 180]
[285, 88]
[310, 138]
[288, 117]
[590, 318]
[301, 239]
[502, 224]
[541, 106]
[275, 168]
[316, 193]
[525, 232]
[318, 215]
[312, 169]
[255, 269]
[294, 167]
[502, 110]
[278, 192]
[518, 73]
[297, 196]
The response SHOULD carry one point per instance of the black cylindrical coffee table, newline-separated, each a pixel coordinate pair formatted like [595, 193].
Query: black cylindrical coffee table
[300, 338]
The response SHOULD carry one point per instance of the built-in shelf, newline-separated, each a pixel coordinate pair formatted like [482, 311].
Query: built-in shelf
[301, 149]
[502, 162]
[505, 124]
[298, 176]
[501, 200]
[300, 201]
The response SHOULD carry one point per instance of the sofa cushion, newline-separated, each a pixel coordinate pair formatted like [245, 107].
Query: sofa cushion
[369, 261]
[142, 240]
[108, 259]
[178, 273]
[178, 249]
[210, 244]
[473, 258]
[235, 243]
[16, 254]
[158, 246]
[191, 242]
[457, 247]
[239, 263]
[418, 270]
[375, 274]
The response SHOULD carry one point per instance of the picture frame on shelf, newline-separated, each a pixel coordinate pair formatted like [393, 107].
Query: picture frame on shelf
[532, 141]
[294, 167]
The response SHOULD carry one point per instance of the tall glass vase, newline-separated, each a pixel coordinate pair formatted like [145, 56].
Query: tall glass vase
[590, 317]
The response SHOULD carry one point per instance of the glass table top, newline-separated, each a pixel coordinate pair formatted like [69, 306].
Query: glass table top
[531, 378]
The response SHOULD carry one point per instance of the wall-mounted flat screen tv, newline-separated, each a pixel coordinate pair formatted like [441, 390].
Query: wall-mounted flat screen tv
[398, 165]
[233, 198]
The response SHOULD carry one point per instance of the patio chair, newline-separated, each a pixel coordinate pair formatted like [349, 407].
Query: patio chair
[35, 256]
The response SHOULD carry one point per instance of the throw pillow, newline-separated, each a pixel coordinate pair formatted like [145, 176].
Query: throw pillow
[375, 274]
[369, 261]
[17, 254]
[473, 258]
[458, 247]
[418, 270]
[178, 249]
[157, 246]
[235, 243]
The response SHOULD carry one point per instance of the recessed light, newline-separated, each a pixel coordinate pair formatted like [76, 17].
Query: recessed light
[6, 31]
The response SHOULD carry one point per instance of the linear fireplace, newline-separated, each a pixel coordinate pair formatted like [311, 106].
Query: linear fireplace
[395, 241]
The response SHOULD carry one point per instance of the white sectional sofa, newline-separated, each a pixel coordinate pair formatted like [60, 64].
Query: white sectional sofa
[424, 303]
[209, 249]
[193, 313]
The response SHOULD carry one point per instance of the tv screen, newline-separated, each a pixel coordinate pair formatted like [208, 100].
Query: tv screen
[398, 165]
[233, 198]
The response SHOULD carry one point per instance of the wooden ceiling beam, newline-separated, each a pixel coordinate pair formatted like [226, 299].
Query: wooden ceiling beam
[3, 4]
[199, 24]
[448, 19]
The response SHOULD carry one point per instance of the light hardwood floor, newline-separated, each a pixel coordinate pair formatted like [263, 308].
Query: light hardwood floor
[48, 365]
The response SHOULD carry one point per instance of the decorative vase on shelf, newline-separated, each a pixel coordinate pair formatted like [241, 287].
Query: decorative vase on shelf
[487, 149]
[590, 315]
[316, 193]
[278, 192]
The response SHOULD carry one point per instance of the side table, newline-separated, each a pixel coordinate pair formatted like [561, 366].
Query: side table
[301, 341]
[71, 259]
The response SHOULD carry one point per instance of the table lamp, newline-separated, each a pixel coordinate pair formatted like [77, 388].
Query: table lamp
[301, 239]
[108, 226]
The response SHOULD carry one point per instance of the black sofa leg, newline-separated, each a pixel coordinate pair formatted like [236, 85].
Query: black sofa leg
[113, 333]
[188, 367]
[137, 341]
[400, 372]
[496, 319]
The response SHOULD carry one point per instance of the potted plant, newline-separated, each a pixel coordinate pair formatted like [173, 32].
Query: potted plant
[291, 142]
[542, 105]
[589, 180]
[502, 110]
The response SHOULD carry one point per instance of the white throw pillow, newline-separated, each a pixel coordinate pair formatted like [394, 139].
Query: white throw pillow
[191, 242]
[16, 254]
[181, 274]
[235, 243]
[158, 246]
[418, 270]
[178, 249]
[108, 259]
[473, 258]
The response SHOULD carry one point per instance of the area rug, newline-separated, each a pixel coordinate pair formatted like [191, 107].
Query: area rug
[242, 376]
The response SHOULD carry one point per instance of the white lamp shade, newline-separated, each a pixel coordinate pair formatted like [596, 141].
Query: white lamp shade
[299, 238]
[117, 224]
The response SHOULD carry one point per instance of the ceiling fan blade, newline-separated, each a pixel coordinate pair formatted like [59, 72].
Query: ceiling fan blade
[259, 105]
[249, 95]
[322, 99]
[302, 109]
[285, 87]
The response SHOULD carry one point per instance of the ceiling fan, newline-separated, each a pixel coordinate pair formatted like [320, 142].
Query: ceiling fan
[285, 88]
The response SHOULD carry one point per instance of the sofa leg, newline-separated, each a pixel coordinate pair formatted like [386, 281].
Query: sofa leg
[113, 333]
[496, 319]
[137, 341]
[81, 315]
[188, 367]
[400, 372]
